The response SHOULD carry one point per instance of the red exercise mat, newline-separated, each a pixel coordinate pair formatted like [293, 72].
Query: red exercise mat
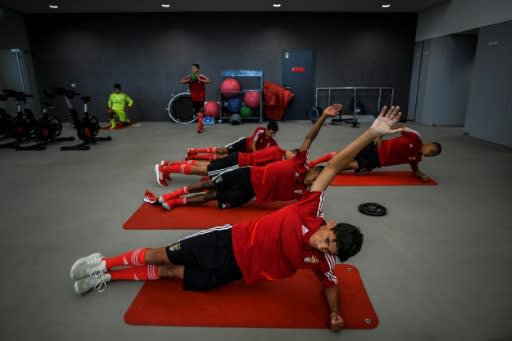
[296, 302]
[154, 217]
[390, 178]
[119, 125]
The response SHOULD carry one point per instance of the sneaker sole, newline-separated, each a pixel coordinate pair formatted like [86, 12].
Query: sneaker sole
[157, 174]
[97, 254]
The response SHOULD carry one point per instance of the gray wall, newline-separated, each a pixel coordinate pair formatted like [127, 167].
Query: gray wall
[12, 30]
[13, 35]
[489, 115]
[461, 15]
[149, 53]
[444, 79]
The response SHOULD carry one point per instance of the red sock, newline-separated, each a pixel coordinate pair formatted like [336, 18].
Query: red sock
[208, 157]
[200, 125]
[321, 159]
[176, 202]
[177, 193]
[183, 168]
[189, 162]
[141, 273]
[202, 150]
[131, 258]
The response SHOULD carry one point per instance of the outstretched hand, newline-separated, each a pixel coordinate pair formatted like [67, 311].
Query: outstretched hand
[387, 118]
[333, 110]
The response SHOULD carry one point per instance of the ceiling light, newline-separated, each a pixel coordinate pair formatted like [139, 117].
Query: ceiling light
[276, 5]
[53, 6]
[166, 5]
[386, 5]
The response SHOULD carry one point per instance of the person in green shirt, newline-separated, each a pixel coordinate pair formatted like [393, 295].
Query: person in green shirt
[117, 104]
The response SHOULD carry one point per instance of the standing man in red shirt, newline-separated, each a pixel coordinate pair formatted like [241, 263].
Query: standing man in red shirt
[272, 247]
[406, 148]
[260, 138]
[196, 82]
[278, 181]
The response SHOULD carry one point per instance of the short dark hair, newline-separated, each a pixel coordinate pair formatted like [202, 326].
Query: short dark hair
[272, 125]
[439, 148]
[318, 168]
[349, 240]
[196, 65]
[295, 151]
[117, 86]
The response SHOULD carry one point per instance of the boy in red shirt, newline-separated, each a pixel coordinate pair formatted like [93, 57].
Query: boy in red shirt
[272, 247]
[406, 148]
[278, 181]
[196, 82]
[231, 161]
[260, 138]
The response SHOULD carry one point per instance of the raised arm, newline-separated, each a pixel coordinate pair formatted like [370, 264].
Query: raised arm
[330, 111]
[381, 126]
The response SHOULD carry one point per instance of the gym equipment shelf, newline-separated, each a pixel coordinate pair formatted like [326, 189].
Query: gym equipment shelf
[257, 75]
[354, 89]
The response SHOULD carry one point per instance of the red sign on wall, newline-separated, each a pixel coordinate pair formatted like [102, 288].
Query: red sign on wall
[298, 69]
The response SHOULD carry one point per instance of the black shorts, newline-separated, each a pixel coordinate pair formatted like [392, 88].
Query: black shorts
[234, 188]
[368, 158]
[207, 257]
[197, 106]
[222, 165]
[237, 146]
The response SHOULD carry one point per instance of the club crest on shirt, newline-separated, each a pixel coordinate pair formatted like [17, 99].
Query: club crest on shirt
[311, 260]
[175, 247]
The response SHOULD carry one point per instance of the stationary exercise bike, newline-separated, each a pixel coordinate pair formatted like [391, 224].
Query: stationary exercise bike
[6, 120]
[48, 128]
[24, 125]
[87, 126]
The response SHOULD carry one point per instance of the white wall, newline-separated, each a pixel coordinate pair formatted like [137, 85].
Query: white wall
[489, 115]
[461, 15]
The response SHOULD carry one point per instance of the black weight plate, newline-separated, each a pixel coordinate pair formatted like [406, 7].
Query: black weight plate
[373, 209]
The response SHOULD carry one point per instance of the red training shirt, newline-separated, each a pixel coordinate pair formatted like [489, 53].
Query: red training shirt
[197, 90]
[277, 245]
[262, 140]
[281, 180]
[261, 157]
[402, 149]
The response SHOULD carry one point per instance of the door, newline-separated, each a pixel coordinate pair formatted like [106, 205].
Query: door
[299, 77]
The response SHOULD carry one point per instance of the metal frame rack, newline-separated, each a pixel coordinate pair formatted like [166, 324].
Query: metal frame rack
[243, 74]
[353, 120]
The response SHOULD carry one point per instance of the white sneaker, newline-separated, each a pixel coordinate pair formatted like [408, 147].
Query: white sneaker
[97, 282]
[166, 206]
[86, 266]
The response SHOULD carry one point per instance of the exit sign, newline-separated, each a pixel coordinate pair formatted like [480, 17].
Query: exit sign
[298, 69]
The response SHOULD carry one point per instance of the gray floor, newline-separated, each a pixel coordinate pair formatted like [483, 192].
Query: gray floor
[438, 267]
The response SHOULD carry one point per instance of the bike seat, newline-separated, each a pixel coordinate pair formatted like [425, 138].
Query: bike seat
[86, 98]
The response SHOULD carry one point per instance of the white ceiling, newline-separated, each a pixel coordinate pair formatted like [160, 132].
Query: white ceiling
[119, 6]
